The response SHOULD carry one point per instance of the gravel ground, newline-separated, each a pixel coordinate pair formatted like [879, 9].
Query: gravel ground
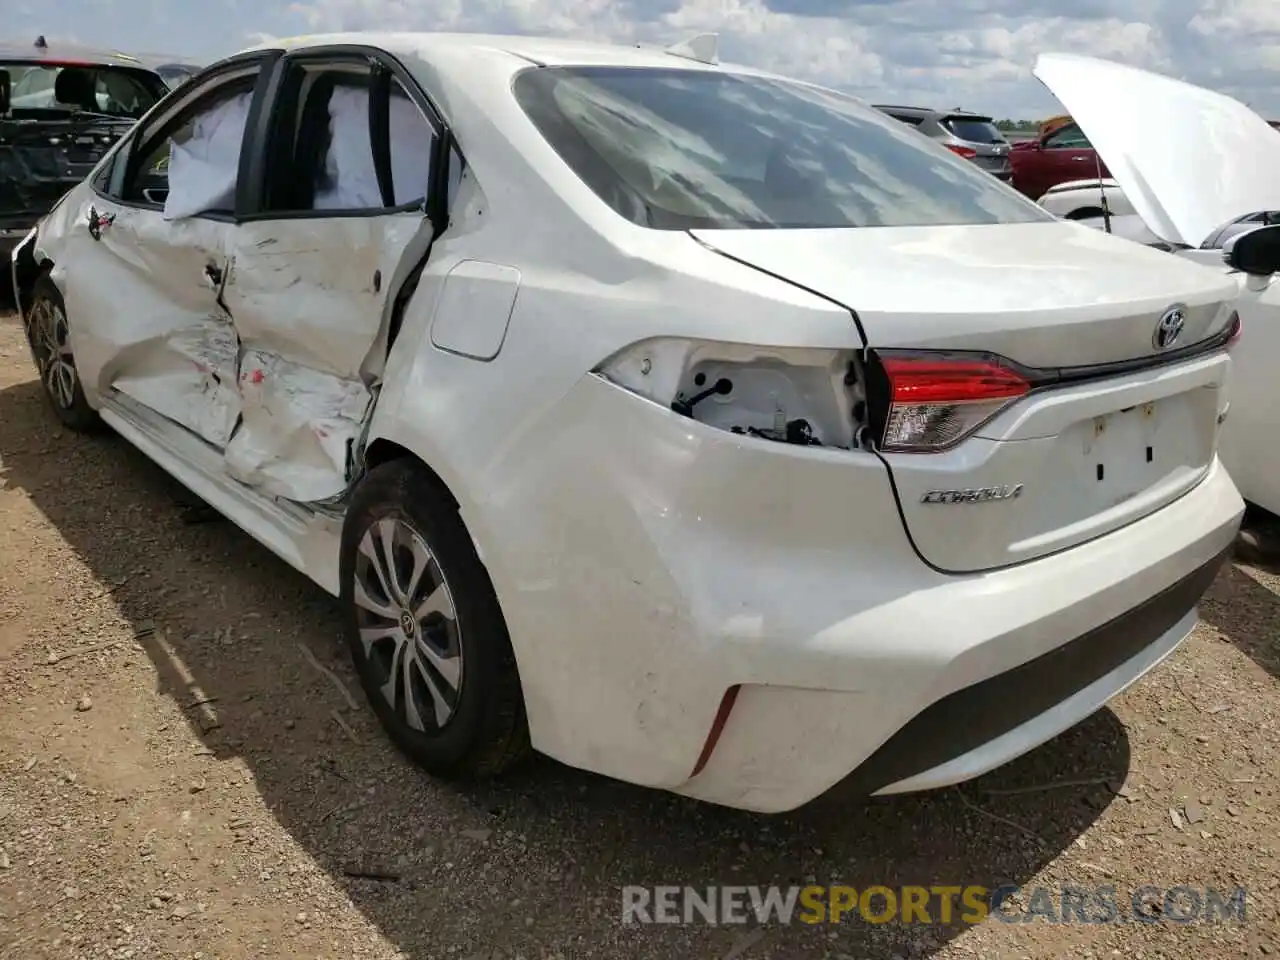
[186, 770]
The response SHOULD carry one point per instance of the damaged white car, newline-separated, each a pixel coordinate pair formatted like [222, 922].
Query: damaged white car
[691, 425]
[1202, 174]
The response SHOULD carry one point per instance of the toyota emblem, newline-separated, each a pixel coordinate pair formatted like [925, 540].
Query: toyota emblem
[1169, 329]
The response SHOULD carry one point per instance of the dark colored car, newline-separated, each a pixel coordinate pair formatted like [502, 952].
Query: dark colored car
[971, 135]
[60, 109]
[1061, 155]
[176, 74]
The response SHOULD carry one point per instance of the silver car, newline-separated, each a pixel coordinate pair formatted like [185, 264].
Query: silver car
[971, 135]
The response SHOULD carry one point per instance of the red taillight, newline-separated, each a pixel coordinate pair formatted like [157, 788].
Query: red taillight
[1237, 328]
[967, 152]
[934, 402]
[929, 380]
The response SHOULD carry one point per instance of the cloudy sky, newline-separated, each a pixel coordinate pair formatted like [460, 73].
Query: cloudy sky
[947, 53]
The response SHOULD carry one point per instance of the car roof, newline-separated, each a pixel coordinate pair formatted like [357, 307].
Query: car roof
[541, 51]
[60, 53]
[931, 112]
[169, 60]
[906, 111]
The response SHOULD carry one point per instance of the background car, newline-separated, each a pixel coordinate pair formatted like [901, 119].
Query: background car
[970, 135]
[1061, 155]
[61, 109]
[1082, 199]
[1046, 127]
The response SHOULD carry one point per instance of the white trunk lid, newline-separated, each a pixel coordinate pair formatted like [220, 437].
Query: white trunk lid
[1090, 457]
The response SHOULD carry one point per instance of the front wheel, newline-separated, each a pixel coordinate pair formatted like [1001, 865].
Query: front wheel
[48, 334]
[425, 629]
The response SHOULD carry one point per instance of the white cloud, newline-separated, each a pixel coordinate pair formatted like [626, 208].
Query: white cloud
[972, 53]
[975, 53]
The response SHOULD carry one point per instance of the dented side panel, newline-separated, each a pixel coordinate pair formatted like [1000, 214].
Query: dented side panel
[176, 348]
[306, 298]
[143, 300]
[262, 338]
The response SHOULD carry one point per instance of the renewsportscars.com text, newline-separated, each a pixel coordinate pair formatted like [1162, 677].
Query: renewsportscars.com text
[938, 904]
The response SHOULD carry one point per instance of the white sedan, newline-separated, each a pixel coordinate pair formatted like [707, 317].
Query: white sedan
[1163, 167]
[1083, 199]
[692, 425]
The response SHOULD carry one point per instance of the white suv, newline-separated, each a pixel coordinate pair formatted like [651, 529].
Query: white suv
[696, 426]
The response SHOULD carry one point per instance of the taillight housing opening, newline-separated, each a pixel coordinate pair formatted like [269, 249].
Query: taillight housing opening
[1236, 327]
[929, 402]
[962, 151]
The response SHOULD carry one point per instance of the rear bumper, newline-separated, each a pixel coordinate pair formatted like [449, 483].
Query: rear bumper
[987, 723]
[647, 565]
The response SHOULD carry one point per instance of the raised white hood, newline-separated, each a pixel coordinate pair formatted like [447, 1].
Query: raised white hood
[1190, 160]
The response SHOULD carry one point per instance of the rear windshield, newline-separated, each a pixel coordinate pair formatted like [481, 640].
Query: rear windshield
[974, 129]
[680, 149]
[123, 92]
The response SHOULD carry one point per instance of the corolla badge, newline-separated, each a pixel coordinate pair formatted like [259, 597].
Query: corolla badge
[1169, 328]
[1010, 491]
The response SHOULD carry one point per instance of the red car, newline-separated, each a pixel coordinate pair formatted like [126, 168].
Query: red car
[1061, 155]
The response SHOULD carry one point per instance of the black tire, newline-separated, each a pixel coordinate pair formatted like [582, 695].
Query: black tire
[69, 406]
[1083, 213]
[487, 731]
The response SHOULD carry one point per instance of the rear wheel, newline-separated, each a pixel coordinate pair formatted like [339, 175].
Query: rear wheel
[49, 337]
[425, 630]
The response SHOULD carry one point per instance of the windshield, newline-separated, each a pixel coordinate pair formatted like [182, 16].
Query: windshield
[123, 92]
[974, 129]
[681, 149]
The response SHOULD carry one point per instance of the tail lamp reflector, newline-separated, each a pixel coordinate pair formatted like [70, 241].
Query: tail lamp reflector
[936, 402]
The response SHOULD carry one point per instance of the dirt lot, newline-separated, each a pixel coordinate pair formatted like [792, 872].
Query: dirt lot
[186, 770]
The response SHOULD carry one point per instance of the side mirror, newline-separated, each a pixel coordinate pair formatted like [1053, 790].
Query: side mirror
[4, 91]
[1255, 252]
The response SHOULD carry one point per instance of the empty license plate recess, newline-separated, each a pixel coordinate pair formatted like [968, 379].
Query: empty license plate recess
[1150, 445]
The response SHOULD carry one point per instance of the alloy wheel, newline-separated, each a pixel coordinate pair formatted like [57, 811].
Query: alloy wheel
[408, 624]
[50, 342]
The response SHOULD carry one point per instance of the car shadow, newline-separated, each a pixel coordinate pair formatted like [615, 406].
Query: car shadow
[533, 864]
[1246, 612]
